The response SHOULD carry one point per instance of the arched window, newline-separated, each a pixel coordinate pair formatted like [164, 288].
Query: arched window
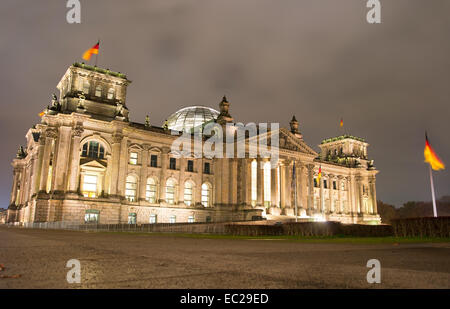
[150, 193]
[170, 191]
[110, 94]
[86, 87]
[188, 193]
[267, 188]
[130, 188]
[93, 150]
[206, 195]
[254, 175]
[98, 91]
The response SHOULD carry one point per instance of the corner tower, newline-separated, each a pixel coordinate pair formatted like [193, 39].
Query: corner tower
[95, 91]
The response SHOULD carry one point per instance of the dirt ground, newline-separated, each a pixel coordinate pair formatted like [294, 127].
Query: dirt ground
[155, 261]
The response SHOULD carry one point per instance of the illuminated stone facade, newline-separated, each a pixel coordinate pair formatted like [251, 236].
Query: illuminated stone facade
[86, 162]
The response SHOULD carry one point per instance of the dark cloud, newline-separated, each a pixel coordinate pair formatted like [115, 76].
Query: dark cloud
[319, 60]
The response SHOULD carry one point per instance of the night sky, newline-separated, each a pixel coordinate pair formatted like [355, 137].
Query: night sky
[319, 60]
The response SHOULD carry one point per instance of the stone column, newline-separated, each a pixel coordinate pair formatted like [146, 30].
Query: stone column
[182, 167]
[123, 167]
[14, 186]
[233, 178]
[162, 178]
[115, 158]
[143, 173]
[247, 189]
[282, 184]
[49, 135]
[288, 184]
[310, 168]
[321, 199]
[299, 181]
[75, 160]
[274, 187]
[198, 181]
[260, 183]
[373, 192]
[61, 164]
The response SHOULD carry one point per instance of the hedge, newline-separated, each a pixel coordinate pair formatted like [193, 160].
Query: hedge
[421, 227]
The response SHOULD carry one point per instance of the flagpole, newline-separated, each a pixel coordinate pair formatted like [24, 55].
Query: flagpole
[432, 192]
[96, 55]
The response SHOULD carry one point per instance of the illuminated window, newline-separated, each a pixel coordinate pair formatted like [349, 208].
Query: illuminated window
[93, 150]
[98, 91]
[188, 193]
[90, 185]
[130, 188]
[267, 188]
[342, 186]
[316, 184]
[153, 219]
[49, 179]
[173, 219]
[91, 216]
[110, 94]
[132, 218]
[150, 190]
[133, 158]
[254, 175]
[206, 195]
[191, 219]
[170, 191]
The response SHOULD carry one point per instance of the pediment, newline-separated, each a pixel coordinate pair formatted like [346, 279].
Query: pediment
[290, 142]
[93, 164]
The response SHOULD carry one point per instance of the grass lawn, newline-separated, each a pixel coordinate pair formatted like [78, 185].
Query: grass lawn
[310, 239]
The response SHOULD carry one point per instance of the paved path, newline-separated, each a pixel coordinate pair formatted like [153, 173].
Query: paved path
[151, 261]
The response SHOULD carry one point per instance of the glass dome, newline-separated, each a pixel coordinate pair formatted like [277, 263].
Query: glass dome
[191, 117]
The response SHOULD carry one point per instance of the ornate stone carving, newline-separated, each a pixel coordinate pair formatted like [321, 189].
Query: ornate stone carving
[77, 130]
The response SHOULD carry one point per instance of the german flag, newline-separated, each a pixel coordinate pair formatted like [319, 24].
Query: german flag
[91, 51]
[341, 124]
[431, 157]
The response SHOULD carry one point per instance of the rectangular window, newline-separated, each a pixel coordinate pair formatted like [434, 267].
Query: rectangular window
[154, 161]
[208, 219]
[90, 185]
[173, 164]
[334, 185]
[172, 219]
[191, 219]
[315, 183]
[190, 166]
[133, 158]
[132, 218]
[91, 216]
[207, 169]
[325, 184]
[153, 219]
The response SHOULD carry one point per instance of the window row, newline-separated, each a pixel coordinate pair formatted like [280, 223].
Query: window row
[93, 216]
[326, 184]
[170, 192]
[86, 88]
[172, 163]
